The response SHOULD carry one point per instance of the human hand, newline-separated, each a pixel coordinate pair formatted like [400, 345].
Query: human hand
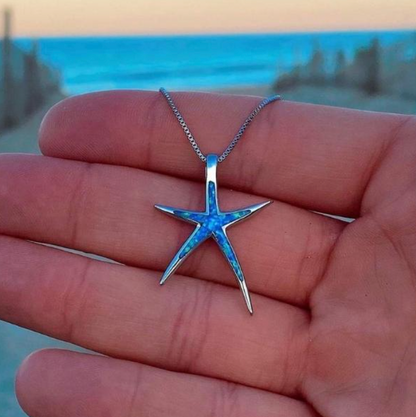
[334, 328]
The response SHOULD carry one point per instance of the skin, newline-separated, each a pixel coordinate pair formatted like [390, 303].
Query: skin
[333, 334]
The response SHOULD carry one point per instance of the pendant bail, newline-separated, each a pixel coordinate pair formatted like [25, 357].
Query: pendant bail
[211, 181]
[211, 167]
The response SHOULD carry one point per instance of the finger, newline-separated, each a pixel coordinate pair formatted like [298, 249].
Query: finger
[191, 326]
[110, 211]
[69, 384]
[317, 157]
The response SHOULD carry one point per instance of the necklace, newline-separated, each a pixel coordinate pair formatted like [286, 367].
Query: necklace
[212, 222]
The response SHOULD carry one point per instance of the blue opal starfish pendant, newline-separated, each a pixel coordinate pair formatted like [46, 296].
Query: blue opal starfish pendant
[211, 223]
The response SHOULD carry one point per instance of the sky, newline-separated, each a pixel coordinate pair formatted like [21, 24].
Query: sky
[106, 17]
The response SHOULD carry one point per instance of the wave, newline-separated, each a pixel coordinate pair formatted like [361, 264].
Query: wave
[148, 74]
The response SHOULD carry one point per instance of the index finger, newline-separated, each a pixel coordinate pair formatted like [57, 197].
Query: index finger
[316, 157]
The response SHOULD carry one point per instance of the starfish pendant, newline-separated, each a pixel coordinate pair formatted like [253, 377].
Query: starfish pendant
[211, 223]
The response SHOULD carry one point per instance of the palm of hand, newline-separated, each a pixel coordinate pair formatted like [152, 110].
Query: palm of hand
[333, 334]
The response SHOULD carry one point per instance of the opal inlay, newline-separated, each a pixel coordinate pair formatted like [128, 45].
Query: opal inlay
[211, 223]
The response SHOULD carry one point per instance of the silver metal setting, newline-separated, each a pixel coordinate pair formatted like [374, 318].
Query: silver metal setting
[212, 223]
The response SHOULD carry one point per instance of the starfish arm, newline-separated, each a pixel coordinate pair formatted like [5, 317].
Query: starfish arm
[193, 217]
[233, 217]
[198, 236]
[227, 249]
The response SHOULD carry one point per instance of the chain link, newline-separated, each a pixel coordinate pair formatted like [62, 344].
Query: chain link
[237, 137]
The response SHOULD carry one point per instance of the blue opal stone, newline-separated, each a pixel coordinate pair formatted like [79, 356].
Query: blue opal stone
[211, 223]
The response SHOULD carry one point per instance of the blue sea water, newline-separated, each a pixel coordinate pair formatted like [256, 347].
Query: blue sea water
[180, 62]
[191, 62]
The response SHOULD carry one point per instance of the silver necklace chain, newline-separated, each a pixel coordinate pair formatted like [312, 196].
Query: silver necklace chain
[237, 137]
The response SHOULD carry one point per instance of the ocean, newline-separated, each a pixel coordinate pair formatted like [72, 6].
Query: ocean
[179, 62]
[191, 62]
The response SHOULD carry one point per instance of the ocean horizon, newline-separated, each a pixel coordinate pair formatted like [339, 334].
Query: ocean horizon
[176, 62]
[193, 61]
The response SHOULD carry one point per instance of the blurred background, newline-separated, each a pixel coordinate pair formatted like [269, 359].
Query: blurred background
[351, 53]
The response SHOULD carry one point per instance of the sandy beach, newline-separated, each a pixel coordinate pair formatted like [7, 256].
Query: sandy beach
[24, 138]
[356, 56]
[330, 96]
